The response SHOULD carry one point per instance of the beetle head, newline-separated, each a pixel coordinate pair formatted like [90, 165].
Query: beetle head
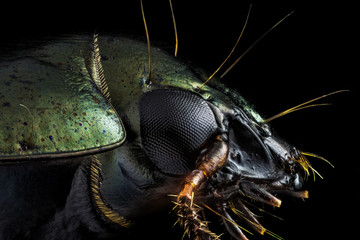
[259, 158]
[259, 165]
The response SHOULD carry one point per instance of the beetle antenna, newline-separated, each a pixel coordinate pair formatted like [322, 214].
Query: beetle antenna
[302, 106]
[252, 45]
[175, 29]
[148, 78]
[293, 110]
[231, 52]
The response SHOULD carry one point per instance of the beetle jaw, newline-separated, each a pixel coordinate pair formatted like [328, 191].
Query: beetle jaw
[257, 168]
[232, 201]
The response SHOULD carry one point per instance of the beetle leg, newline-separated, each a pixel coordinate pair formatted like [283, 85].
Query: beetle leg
[209, 162]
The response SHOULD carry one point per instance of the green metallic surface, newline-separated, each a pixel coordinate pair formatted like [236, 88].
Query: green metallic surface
[126, 69]
[49, 106]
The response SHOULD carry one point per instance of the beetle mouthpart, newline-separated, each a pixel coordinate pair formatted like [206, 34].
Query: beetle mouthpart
[272, 200]
[258, 193]
[300, 194]
[232, 228]
[239, 208]
[306, 166]
[296, 194]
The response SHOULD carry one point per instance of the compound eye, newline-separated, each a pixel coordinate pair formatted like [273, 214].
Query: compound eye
[174, 125]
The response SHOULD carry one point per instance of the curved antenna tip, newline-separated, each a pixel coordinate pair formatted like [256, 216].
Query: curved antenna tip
[303, 106]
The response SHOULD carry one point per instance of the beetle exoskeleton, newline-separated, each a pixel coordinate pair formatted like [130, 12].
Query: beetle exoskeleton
[127, 143]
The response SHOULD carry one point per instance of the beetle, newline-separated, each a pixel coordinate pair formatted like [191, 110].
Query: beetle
[83, 110]
[205, 146]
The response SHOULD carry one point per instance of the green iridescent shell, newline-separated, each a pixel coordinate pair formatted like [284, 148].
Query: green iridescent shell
[51, 104]
[50, 107]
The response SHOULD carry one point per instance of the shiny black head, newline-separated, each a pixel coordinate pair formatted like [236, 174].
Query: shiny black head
[258, 158]
[176, 125]
[259, 166]
[177, 128]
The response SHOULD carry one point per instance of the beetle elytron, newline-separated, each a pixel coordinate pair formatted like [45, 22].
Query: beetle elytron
[128, 144]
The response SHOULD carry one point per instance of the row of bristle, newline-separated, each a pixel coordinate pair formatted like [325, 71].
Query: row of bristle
[99, 71]
[99, 202]
[194, 227]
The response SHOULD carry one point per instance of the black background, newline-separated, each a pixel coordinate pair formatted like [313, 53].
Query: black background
[311, 53]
